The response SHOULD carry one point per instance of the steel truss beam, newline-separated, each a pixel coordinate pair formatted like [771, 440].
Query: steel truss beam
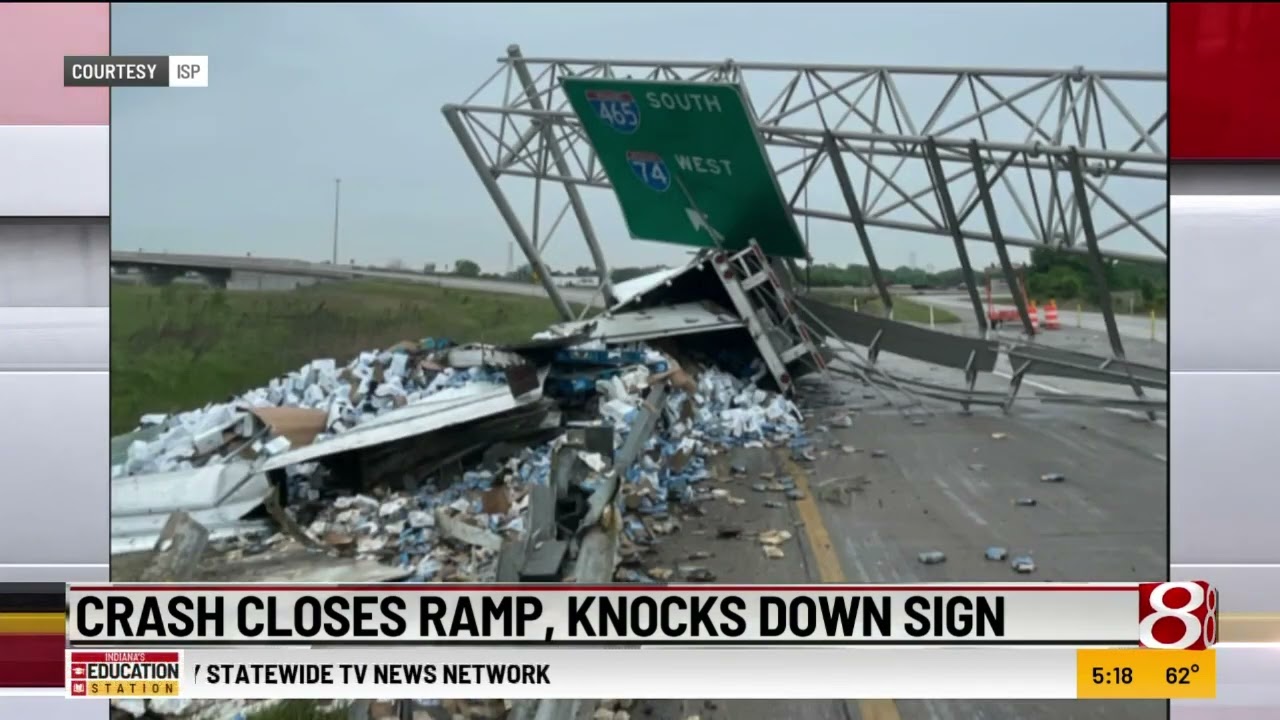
[1016, 157]
[1042, 114]
[859, 222]
[947, 205]
[562, 167]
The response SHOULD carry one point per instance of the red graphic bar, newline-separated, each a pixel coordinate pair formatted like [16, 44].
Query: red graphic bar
[149, 656]
[32, 661]
[34, 38]
[24, 648]
[42, 674]
[1223, 63]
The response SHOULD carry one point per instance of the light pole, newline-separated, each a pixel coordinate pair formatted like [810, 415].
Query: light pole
[337, 196]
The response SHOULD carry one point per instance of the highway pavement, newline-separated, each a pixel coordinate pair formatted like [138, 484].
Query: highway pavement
[948, 485]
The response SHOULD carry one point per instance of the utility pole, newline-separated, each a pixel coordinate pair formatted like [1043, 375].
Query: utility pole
[337, 196]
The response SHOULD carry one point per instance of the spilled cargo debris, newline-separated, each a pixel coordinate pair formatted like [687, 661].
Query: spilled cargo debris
[774, 537]
[840, 490]
[1023, 564]
[520, 472]
[302, 465]
[218, 497]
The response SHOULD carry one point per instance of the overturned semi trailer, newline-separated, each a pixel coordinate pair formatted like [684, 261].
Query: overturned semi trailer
[721, 304]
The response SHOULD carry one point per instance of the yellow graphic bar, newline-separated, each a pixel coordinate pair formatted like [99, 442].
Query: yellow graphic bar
[131, 688]
[33, 623]
[1146, 674]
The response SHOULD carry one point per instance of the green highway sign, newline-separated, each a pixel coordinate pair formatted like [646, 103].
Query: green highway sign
[686, 163]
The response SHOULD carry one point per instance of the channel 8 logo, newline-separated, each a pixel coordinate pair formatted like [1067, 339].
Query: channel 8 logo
[1177, 615]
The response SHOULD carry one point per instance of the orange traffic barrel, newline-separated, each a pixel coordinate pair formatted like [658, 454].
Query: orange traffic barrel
[1051, 315]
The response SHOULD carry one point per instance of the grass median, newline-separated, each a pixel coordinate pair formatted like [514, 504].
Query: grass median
[179, 347]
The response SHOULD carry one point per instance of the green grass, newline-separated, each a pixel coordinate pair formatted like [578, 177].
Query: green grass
[178, 347]
[904, 309]
[300, 710]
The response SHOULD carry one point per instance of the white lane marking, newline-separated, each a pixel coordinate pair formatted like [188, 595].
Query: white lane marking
[961, 504]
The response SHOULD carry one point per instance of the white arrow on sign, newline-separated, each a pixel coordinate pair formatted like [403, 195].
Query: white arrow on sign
[699, 221]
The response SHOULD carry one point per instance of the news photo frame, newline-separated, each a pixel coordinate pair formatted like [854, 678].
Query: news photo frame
[56, 329]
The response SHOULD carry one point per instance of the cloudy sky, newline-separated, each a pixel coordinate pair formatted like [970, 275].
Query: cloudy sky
[302, 94]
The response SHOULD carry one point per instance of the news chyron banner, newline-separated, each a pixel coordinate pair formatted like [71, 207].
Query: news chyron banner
[1023, 641]
[135, 71]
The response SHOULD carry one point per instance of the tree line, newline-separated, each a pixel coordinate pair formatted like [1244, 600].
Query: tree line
[1051, 273]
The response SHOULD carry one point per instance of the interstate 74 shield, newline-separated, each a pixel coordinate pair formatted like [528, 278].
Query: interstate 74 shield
[618, 110]
[651, 170]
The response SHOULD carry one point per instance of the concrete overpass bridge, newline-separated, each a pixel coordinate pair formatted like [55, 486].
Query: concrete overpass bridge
[235, 270]
[217, 270]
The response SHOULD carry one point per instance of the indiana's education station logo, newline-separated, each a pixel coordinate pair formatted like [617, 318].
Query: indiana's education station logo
[138, 674]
